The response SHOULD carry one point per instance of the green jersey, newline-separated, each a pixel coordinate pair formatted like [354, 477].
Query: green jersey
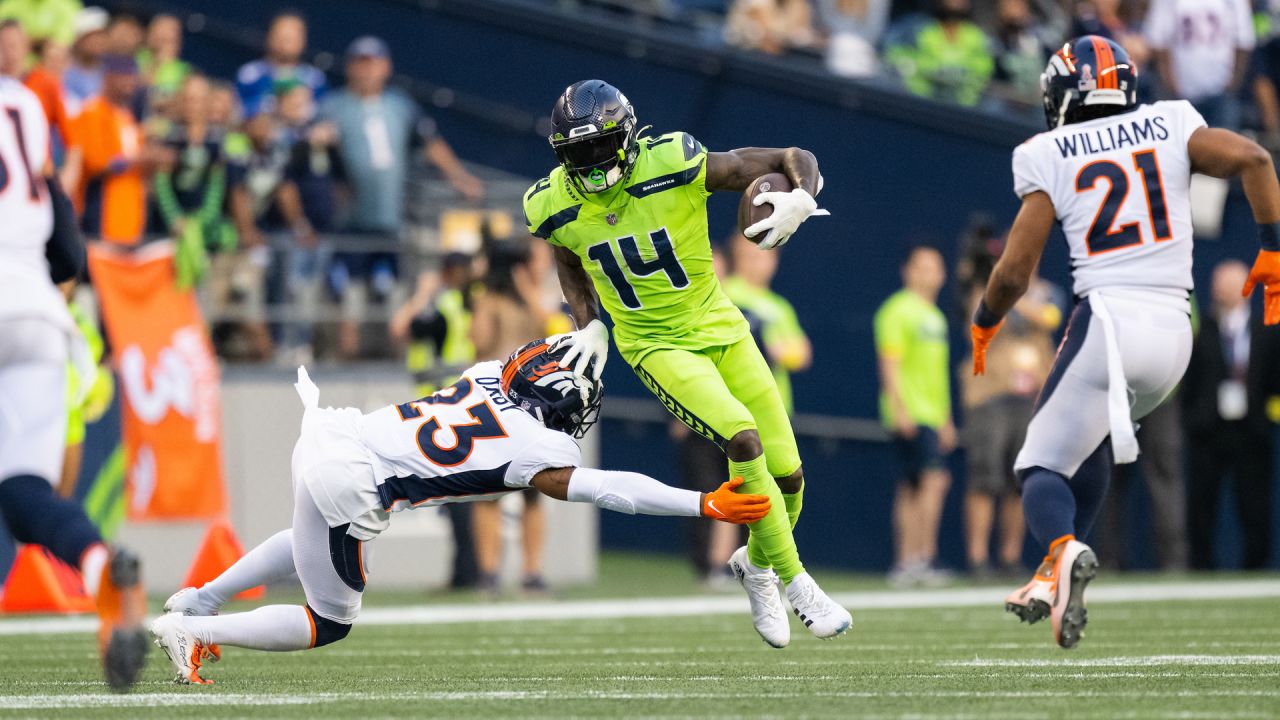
[646, 249]
[913, 331]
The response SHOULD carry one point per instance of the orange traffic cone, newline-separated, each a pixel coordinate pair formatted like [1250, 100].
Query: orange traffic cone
[41, 583]
[219, 551]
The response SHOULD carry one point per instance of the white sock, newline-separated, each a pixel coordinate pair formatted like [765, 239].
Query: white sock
[270, 561]
[273, 627]
[91, 565]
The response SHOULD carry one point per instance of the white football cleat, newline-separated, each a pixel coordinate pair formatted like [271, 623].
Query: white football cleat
[819, 613]
[1031, 602]
[184, 650]
[767, 612]
[188, 601]
[1076, 566]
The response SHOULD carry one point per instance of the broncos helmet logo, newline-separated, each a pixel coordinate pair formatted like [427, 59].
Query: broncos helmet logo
[535, 381]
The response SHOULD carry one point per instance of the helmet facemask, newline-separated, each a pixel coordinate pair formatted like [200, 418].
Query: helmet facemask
[596, 160]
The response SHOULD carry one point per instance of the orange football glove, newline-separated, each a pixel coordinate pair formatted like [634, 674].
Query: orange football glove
[1266, 270]
[982, 337]
[728, 506]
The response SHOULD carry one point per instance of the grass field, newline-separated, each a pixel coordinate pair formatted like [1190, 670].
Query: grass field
[1169, 658]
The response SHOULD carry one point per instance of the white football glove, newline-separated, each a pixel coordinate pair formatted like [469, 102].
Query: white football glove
[589, 343]
[789, 210]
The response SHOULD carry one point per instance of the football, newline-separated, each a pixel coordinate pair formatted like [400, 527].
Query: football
[748, 213]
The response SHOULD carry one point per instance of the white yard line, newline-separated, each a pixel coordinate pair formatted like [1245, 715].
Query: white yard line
[213, 697]
[715, 605]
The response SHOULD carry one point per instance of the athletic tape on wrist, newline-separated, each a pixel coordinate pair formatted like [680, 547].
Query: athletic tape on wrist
[1269, 236]
[983, 317]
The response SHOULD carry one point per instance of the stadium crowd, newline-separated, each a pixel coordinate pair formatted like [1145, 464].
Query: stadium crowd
[283, 194]
[990, 53]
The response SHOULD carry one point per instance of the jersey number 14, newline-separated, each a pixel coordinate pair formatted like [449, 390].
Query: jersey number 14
[1103, 235]
[666, 261]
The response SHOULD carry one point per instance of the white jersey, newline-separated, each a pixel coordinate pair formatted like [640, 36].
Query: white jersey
[1120, 187]
[26, 212]
[466, 441]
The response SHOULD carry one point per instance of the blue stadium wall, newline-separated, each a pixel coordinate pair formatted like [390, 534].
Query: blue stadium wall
[898, 172]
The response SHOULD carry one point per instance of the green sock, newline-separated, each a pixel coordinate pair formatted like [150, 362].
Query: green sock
[794, 502]
[770, 543]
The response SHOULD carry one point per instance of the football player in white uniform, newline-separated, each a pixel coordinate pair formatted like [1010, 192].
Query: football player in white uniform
[502, 427]
[40, 245]
[1117, 176]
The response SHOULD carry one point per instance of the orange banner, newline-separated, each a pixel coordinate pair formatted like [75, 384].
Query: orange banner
[168, 383]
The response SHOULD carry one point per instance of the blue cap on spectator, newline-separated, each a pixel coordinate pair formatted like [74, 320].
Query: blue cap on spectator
[119, 64]
[368, 46]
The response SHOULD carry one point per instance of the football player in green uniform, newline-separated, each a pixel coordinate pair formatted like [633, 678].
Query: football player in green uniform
[627, 216]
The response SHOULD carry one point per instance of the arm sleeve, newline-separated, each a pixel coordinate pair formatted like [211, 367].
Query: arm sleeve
[1026, 173]
[65, 249]
[550, 449]
[631, 493]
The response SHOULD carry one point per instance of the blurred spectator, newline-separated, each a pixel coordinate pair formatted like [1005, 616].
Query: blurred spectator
[163, 68]
[1229, 380]
[113, 163]
[224, 105]
[263, 203]
[286, 41]
[82, 79]
[915, 406]
[773, 321]
[770, 26]
[44, 19]
[506, 314]
[315, 164]
[1111, 19]
[436, 322]
[854, 28]
[1022, 47]
[1201, 48]
[125, 35]
[315, 169]
[998, 406]
[946, 57]
[377, 128]
[190, 186]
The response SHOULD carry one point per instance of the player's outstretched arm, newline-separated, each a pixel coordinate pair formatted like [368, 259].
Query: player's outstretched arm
[1223, 154]
[633, 493]
[1013, 272]
[734, 170]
